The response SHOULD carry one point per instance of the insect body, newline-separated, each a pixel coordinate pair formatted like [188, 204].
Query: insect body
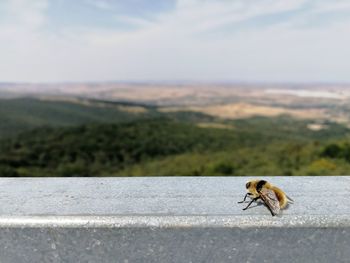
[273, 197]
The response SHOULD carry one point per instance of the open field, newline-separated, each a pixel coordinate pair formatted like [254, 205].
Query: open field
[247, 110]
[318, 103]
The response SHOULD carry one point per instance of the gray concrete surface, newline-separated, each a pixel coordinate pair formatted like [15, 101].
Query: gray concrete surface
[171, 220]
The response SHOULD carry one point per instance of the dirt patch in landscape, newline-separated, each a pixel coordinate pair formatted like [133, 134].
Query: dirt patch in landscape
[215, 125]
[245, 110]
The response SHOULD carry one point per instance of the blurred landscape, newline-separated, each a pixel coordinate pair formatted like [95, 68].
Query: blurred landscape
[174, 129]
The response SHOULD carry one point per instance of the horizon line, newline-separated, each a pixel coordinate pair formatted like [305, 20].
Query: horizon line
[177, 82]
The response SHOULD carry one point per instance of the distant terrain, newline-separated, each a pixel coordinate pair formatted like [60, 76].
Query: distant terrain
[232, 101]
[135, 129]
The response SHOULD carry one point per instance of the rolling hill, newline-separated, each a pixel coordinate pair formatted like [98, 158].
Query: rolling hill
[19, 115]
[23, 114]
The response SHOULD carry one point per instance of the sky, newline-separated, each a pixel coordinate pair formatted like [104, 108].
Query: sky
[175, 40]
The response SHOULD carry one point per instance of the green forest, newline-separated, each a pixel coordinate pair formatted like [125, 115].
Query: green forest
[41, 138]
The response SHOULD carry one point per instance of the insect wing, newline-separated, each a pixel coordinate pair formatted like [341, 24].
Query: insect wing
[270, 199]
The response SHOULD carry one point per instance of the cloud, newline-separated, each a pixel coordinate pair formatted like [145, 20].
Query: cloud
[215, 14]
[331, 6]
[101, 4]
[196, 40]
[25, 13]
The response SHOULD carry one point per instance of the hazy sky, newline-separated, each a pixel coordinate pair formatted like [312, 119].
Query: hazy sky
[203, 40]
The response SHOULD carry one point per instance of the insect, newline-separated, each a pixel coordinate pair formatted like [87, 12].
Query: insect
[273, 197]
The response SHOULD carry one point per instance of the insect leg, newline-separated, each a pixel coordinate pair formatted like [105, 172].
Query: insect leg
[290, 200]
[256, 198]
[245, 197]
[272, 213]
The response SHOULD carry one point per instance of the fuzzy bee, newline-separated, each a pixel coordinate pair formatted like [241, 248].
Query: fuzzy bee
[273, 197]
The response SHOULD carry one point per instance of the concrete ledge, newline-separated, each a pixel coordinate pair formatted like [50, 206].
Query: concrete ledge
[164, 221]
[171, 220]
